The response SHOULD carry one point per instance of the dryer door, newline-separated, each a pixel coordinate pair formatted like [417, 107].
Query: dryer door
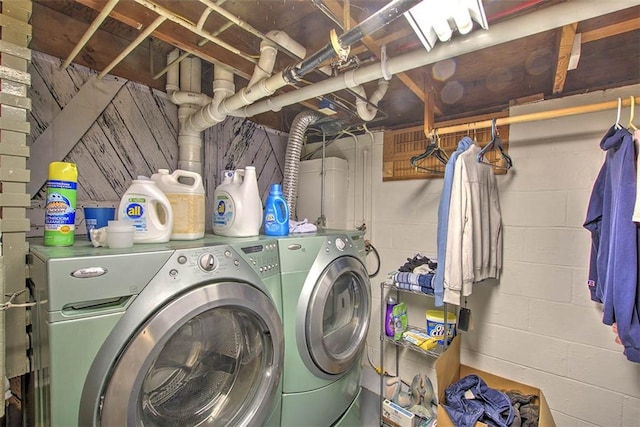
[212, 356]
[337, 318]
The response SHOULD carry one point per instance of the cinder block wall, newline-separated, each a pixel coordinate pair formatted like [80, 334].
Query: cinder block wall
[536, 324]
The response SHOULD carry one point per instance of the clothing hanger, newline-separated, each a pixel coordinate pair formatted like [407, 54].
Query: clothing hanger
[618, 125]
[631, 127]
[495, 143]
[432, 150]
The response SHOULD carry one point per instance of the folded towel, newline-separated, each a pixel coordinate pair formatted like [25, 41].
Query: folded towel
[406, 278]
[301, 226]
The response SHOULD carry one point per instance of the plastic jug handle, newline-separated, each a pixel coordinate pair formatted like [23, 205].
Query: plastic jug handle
[155, 219]
[197, 179]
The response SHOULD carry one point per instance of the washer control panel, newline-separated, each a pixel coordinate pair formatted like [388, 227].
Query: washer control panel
[225, 261]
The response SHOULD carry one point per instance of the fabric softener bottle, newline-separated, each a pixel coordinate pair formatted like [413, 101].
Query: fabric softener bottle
[276, 213]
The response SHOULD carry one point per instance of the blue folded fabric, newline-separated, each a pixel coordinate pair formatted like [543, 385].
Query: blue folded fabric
[470, 400]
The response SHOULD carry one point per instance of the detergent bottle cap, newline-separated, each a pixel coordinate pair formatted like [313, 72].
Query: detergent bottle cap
[276, 189]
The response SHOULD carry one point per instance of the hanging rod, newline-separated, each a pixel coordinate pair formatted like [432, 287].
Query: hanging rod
[543, 115]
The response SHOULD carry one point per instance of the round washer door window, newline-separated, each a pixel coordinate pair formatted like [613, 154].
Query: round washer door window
[338, 316]
[211, 357]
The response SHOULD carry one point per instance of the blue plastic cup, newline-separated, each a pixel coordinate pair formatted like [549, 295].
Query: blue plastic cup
[98, 218]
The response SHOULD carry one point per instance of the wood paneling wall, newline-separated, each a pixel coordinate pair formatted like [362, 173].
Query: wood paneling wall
[137, 135]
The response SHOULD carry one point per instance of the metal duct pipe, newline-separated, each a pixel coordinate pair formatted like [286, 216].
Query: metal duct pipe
[292, 157]
[513, 29]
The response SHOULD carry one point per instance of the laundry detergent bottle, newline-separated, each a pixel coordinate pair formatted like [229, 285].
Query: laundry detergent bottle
[237, 204]
[276, 213]
[148, 210]
[185, 192]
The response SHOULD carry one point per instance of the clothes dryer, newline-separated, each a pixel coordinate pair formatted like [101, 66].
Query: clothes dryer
[325, 311]
[182, 333]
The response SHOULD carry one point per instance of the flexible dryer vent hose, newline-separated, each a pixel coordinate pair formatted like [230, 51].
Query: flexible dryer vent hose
[292, 158]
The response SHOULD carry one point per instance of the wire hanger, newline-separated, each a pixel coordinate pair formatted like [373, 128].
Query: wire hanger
[631, 127]
[495, 143]
[433, 149]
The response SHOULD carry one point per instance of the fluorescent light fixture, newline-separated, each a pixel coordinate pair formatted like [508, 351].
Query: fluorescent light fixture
[434, 20]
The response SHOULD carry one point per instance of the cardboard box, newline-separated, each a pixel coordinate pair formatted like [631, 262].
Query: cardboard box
[395, 415]
[449, 370]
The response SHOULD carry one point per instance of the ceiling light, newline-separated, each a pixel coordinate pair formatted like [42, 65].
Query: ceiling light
[434, 20]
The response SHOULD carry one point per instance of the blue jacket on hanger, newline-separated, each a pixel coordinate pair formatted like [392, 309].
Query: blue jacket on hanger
[613, 269]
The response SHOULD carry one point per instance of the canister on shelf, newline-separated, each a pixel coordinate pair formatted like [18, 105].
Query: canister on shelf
[388, 319]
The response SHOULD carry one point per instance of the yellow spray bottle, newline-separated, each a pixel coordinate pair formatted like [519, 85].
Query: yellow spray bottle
[60, 209]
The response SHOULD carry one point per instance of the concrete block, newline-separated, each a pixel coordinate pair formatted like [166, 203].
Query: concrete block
[630, 411]
[565, 247]
[537, 281]
[489, 304]
[513, 239]
[570, 322]
[586, 365]
[532, 208]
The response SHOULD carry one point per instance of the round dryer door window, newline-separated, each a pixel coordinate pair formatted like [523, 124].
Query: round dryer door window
[207, 358]
[338, 316]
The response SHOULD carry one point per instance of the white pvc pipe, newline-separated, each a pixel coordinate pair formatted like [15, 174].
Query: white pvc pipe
[173, 72]
[522, 26]
[268, 52]
[368, 110]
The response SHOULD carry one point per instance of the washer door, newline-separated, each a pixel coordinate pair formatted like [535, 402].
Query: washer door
[210, 357]
[337, 318]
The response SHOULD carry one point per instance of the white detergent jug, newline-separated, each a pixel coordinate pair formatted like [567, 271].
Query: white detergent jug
[237, 204]
[185, 192]
[148, 210]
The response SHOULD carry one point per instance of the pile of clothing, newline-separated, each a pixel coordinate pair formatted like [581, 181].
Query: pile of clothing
[470, 400]
[416, 274]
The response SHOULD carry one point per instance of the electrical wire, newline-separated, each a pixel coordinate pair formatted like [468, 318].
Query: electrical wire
[368, 247]
[7, 305]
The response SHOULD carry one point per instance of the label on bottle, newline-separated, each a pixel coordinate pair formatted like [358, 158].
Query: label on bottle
[135, 211]
[60, 213]
[225, 210]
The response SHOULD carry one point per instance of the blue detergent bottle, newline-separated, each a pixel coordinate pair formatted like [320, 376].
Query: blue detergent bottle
[276, 213]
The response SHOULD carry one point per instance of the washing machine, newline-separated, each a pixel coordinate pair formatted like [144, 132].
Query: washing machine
[176, 334]
[325, 312]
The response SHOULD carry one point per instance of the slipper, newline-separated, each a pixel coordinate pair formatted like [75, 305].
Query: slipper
[428, 394]
[392, 388]
[416, 390]
[404, 399]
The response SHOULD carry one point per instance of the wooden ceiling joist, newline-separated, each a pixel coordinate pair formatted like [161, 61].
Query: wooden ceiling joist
[611, 30]
[564, 54]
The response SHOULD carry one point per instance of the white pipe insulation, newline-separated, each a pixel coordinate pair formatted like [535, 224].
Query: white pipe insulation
[522, 26]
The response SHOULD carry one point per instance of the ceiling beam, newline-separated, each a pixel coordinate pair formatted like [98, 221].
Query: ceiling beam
[564, 53]
[375, 47]
[611, 30]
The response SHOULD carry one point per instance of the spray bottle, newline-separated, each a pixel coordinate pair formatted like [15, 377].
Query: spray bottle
[60, 210]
